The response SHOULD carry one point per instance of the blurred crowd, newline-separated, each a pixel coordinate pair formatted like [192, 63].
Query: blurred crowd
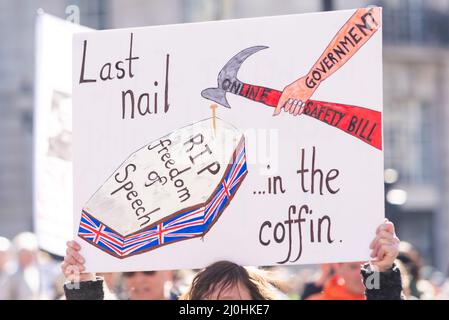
[29, 273]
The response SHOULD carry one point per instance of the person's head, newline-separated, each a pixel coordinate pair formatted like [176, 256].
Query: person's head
[26, 247]
[411, 259]
[350, 273]
[4, 252]
[226, 280]
[147, 285]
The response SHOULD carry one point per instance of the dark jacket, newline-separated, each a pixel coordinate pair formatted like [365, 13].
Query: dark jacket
[382, 285]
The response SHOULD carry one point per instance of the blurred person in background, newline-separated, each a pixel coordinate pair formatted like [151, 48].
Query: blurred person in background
[5, 265]
[149, 285]
[314, 287]
[412, 262]
[34, 271]
[345, 284]
[25, 283]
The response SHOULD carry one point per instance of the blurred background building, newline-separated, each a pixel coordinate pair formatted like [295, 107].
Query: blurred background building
[416, 96]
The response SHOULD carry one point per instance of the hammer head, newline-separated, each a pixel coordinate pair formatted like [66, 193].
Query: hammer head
[229, 75]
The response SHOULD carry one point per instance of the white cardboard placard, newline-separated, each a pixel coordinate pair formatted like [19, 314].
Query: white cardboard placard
[272, 216]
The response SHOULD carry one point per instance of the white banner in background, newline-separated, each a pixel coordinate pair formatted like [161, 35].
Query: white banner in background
[53, 222]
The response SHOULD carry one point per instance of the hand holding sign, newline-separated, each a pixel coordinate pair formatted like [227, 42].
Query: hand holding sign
[385, 247]
[73, 265]
[351, 37]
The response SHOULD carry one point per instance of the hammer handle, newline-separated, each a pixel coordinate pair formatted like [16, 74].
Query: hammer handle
[364, 124]
[267, 96]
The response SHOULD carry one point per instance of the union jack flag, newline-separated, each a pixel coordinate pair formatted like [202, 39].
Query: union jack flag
[187, 225]
[99, 234]
[227, 187]
[190, 224]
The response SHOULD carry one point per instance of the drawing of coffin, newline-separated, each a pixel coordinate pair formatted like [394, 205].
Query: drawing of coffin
[173, 189]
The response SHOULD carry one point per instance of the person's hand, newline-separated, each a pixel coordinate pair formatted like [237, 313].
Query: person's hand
[294, 98]
[73, 265]
[385, 246]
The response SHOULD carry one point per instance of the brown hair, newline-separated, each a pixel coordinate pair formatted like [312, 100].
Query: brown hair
[226, 274]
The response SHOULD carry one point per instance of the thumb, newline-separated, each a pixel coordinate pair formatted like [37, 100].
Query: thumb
[280, 105]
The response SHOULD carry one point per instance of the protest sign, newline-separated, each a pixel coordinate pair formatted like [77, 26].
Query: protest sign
[188, 147]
